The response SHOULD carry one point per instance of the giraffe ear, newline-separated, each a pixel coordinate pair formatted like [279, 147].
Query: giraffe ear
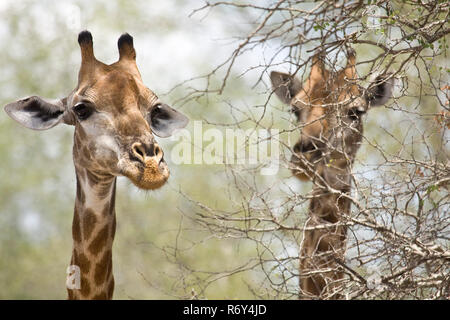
[164, 120]
[285, 86]
[36, 113]
[380, 91]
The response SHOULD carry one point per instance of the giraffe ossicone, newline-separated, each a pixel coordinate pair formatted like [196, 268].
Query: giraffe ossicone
[115, 118]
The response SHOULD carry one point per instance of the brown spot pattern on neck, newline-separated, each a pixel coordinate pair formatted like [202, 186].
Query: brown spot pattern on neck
[93, 229]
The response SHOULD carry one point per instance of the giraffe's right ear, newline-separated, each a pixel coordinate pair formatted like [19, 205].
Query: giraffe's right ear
[285, 86]
[38, 114]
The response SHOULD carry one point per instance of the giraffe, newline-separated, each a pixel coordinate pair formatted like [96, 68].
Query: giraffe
[329, 106]
[115, 118]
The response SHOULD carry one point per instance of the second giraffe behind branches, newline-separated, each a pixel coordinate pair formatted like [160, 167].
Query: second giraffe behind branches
[329, 107]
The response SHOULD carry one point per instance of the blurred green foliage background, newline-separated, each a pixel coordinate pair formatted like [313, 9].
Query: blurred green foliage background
[40, 56]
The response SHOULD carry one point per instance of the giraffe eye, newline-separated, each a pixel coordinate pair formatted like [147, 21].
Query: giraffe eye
[296, 111]
[82, 111]
[356, 113]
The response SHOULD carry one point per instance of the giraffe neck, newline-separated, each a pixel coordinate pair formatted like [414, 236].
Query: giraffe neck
[93, 229]
[322, 248]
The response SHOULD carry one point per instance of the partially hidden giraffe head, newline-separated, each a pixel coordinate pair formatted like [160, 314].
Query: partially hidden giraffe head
[328, 107]
[115, 117]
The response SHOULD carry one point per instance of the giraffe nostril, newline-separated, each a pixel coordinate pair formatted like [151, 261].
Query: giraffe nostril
[158, 150]
[297, 147]
[142, 152]
[304, 146]
[138, 151]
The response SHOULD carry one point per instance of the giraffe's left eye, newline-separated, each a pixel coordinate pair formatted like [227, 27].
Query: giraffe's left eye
[356, 113]
[296, 111]
[82, 111]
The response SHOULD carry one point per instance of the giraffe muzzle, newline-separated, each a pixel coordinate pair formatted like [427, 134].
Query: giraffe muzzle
[146, 168]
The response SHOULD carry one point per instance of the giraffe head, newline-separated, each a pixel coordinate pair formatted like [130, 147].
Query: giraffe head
[328, 106]
[115, 117]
